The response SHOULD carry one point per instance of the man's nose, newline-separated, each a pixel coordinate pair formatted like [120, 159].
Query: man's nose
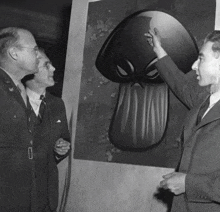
[52, 69]
[195, 65]
[37, 54]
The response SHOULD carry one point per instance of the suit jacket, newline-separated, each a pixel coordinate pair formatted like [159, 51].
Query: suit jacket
[16, 147]
[53, 127]
[201, 147]
[184, 86]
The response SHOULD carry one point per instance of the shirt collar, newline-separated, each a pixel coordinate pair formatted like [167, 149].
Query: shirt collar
[33, 95]
[215, 97]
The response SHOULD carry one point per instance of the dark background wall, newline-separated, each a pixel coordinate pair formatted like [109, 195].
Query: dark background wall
[48, 21]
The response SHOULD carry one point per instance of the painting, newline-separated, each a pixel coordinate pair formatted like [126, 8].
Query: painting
[99, 95]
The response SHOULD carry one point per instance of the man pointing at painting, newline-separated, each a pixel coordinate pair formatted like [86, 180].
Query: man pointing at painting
[196, 182]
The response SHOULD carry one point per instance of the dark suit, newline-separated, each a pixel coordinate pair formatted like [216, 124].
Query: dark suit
[17, 167]
[53, 127]
[184, 86]
[28, 184]
[201, 145]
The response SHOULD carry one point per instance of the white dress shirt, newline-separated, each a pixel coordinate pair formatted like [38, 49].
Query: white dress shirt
[214, 98]
[34, 99]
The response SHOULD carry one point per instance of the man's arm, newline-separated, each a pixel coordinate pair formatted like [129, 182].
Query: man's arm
[62, 145]
[197, 187]
[184, 86]
[203, 187]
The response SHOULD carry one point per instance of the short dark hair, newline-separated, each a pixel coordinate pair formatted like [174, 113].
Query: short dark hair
[214, 37]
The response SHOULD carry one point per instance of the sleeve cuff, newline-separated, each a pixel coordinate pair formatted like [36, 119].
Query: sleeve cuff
[197, 188]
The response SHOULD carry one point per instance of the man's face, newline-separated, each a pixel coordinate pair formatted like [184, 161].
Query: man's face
[44, 77]
[207, 66]
[28, 52]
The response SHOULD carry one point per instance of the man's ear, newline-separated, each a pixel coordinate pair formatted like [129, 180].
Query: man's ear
[12, 51]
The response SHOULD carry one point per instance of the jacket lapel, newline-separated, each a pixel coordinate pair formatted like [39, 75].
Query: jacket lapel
[190, 122]
[212, 115]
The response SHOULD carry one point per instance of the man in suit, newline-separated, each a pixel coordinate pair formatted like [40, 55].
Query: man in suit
[18, 57]
[52, 139]
[196, 183]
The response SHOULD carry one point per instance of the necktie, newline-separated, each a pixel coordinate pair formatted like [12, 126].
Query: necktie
[22, 91]
[42, 108]
[33, 119]
[202, 110]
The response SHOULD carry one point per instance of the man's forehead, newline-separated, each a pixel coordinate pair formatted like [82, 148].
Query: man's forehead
[43, 57]
[43, 61]
[206, 47]
[26, 37]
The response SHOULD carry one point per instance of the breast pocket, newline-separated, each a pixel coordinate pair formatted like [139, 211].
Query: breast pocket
[12, 123]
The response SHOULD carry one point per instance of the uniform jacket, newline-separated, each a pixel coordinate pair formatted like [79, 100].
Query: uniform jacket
[201, 146]
[16, 145]
[28, 171]
[53, 127]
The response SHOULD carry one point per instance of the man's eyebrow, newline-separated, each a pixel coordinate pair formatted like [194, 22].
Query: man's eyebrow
[48, 62]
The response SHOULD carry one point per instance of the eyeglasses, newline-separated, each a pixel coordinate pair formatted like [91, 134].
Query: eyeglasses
[47, 65]
[36, 48]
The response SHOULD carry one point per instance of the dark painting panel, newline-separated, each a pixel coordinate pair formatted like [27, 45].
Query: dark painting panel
[98, 95]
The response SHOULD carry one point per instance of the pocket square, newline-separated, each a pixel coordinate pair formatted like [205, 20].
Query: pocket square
[58, 121]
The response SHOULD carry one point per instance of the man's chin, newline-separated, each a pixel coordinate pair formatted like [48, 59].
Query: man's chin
[200, 82]
[34, 71]
[50, 84]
